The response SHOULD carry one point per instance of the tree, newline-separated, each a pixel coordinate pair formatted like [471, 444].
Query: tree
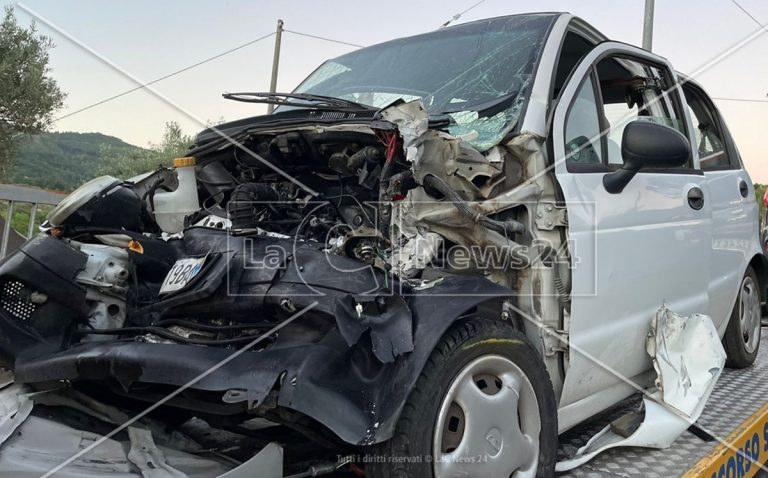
[759, 193]
[127, 164]
[28, 95]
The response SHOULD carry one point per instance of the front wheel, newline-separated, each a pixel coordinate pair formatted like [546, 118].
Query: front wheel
[482, 407]
[742, 337]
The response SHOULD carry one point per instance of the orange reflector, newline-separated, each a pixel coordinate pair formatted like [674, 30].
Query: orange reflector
[185, 161]
[136, 247]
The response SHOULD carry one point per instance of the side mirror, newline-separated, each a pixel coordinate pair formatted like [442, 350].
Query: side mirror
[647, 145]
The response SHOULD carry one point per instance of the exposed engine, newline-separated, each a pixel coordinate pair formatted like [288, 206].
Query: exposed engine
[331, 196]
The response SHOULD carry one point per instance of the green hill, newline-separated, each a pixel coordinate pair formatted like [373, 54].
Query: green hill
[62, 161]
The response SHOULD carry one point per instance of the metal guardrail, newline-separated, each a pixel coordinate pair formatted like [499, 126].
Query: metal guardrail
[20, 194]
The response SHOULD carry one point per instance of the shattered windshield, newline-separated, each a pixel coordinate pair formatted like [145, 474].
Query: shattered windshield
[479, 74]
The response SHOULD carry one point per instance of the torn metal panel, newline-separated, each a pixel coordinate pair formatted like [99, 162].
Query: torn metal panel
[688, 357]
[659, 429]
[412, 122]
[447, 156]
[415, 254]
[148, 457]
[268, 463]
[42, 444]
[15, 407]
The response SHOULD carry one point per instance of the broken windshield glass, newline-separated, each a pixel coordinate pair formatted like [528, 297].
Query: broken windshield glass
[480, 73]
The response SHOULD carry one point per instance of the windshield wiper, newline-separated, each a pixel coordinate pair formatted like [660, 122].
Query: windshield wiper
[306, 100]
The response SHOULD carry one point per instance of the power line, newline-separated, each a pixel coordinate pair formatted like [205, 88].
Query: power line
[745, 100]
[324, 38]
[194, 65]
[746, 12]
[165, 77]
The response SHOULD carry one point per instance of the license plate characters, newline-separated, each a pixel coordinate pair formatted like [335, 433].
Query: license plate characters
[183, 271]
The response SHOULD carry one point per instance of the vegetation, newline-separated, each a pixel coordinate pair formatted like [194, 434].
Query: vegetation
[21, 215]
[124, 164]
[63, 161]
[759, 193]
[28, 95]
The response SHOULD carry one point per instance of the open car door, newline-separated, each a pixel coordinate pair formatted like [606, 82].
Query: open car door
[632, 249]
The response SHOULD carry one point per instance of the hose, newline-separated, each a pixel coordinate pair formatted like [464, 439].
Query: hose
[247, 201]
[502, 227]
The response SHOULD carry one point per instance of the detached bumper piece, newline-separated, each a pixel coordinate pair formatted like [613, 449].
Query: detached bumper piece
[34, 445]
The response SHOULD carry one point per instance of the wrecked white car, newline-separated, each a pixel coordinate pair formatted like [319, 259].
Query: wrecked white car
[437, 254]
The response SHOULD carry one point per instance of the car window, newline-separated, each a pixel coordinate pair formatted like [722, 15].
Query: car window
[574, 48]
[582, 127]
[477, 74]
[634, 91]
[617, 116]
[708, 132]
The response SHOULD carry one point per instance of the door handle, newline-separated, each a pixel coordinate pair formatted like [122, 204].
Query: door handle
[696, 198]
[743, 188]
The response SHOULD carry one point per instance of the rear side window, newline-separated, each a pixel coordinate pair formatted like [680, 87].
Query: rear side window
[708, 131]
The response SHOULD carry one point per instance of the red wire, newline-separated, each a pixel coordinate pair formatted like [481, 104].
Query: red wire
[391, 146]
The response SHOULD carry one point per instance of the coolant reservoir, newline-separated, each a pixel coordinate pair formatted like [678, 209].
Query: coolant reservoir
[172, 207]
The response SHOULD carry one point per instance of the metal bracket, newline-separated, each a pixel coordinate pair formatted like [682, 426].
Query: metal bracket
[549, 216]
[555, 341]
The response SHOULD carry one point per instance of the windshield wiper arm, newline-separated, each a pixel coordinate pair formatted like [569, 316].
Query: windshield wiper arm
[305, 100]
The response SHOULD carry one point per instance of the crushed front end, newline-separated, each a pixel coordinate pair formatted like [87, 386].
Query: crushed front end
[296, 269]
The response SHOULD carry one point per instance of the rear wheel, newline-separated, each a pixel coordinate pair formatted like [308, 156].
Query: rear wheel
[742, 337]
[482, 407]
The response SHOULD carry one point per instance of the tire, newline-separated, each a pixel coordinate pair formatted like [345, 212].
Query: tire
[491, 353]
[742, 336]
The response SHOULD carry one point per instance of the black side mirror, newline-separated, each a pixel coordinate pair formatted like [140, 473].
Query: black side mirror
[647, 145]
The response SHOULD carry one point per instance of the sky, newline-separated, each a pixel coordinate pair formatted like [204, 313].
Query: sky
[150, 39]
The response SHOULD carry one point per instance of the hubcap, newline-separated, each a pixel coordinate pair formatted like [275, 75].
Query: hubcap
[749, 314]
[488, 424]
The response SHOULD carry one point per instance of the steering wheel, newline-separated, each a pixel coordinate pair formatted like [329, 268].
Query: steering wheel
[581, 151]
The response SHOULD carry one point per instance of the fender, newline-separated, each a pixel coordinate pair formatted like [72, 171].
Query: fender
[359, 398]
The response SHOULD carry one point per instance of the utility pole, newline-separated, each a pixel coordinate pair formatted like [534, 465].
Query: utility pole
[275, 62]
[648, 25]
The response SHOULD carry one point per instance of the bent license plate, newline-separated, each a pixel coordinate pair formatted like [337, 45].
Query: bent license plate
[183, 271]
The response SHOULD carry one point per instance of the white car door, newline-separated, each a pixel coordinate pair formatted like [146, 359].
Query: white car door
[633, 250]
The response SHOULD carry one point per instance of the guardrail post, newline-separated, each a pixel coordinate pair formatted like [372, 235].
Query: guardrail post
[7, 229]
[32, 217]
